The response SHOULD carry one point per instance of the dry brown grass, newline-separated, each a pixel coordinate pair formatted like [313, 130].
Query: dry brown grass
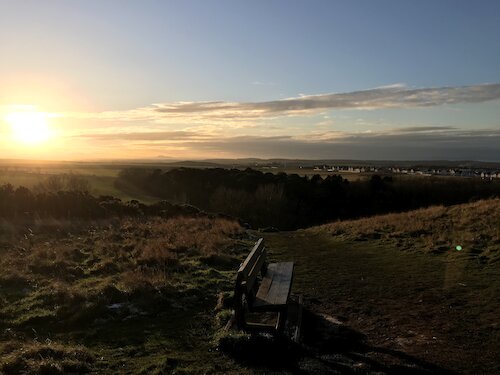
[206, 236]
[157, 246]
[76, 262]
[474, 226]
[44, 358]
[63, 249]
[57, 276]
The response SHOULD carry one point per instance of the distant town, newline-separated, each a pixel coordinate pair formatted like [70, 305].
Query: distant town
[484, 173]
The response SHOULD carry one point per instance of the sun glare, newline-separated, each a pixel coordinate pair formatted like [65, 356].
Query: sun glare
[29, 127]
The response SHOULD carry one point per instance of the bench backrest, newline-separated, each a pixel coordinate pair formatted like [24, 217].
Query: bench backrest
[249, 270]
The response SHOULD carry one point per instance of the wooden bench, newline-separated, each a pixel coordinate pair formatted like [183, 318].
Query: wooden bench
[262, 287]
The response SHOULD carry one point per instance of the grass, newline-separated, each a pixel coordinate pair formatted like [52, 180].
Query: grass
[101, 180]
[442, 311]
[475, 227]
[116, 296]
[45, 358]
[150, 296]
[413, 304]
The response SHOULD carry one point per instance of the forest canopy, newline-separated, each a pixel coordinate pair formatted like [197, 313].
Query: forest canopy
[290, 201]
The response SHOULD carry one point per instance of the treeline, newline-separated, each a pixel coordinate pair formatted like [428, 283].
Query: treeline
[62, 182]
[289, 201]
[21, 202]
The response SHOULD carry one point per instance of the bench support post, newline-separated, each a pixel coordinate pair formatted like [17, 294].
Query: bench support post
[239, 314]
[280, 323]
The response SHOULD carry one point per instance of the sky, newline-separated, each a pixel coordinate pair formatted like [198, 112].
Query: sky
[118, 79]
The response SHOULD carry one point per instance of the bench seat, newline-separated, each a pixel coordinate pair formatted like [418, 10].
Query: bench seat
[275, 287]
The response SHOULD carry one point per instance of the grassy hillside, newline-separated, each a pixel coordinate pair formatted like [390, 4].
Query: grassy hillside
[115, 296]
[398, 294]
[475, 227]
[149, 295]
[387, 311]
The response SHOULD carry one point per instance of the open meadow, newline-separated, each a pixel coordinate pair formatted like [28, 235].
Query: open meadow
[100, 177]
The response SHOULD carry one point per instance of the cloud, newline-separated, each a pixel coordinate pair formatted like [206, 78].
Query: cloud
[398, 144]
[414, 129]
[144, 136]
[258, 129]
[460, 145]
[393, 96]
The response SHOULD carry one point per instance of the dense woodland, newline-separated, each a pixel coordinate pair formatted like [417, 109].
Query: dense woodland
[283, 201]
[289, 201]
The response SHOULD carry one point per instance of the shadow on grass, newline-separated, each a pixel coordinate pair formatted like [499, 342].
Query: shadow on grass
[327, 347]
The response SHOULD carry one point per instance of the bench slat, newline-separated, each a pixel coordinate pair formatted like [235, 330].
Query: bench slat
[255, 271]
[275, 287]
[249, 262]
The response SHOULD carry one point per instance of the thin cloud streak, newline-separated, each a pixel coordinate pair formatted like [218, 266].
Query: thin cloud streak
[394, 96]
[417, 132]
[413, 129]
[144, 136]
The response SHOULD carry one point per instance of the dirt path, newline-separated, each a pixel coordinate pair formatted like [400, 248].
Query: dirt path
[426, 313]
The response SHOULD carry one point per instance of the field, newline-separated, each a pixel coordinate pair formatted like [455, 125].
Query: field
[382, 295]
[101, 178]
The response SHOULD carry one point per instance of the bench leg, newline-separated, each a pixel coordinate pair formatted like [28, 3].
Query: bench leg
[280, 324]
[239, 317]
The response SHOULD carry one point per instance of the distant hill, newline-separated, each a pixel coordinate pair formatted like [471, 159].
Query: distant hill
[194, 164]
[163, 161]
[348, 162]
[471, 228]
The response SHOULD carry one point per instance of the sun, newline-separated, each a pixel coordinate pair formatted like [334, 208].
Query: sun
[29, 127]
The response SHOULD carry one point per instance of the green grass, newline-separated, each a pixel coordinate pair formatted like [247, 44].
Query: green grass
[474, 227]
[101, 181]
[441, 308]
[127, 296]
